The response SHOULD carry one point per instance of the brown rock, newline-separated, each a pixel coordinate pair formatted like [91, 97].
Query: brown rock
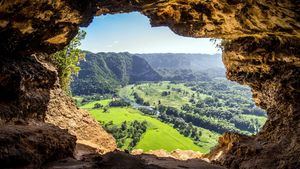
[32, 145]
[62, 112]
[260, 45]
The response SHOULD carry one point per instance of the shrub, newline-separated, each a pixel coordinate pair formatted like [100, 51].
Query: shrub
[119, 103]
[97, 106]
[66, 61]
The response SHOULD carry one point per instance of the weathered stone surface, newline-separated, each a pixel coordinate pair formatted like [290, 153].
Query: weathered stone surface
[226, 19]
[122, 160]
[270, 66]
[31, 145]
[30, 26]
[176, 154]
[25, 84]
[62, 112]
[261, 49]
[29, 93]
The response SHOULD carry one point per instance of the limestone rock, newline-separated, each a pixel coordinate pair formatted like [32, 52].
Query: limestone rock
[32, 145]
[260, 49]
[62, 112]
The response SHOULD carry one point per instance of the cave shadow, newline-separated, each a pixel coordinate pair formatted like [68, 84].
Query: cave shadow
[123, 160]
[25, 84]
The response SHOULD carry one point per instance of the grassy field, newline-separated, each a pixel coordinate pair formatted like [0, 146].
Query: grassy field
[151, 92]
[158, 135]
[181, 95]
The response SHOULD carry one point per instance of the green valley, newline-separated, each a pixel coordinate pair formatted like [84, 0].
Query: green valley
[164, 101]
[158, 135]
[216, 105]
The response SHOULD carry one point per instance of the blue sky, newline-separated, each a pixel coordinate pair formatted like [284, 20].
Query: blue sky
[133, 33]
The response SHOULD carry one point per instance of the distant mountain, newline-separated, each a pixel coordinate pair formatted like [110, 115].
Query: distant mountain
[104, 72]
[173, 66]
[177, 61]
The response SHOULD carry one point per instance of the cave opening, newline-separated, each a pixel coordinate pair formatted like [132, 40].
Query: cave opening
[147, 86]
[40, 123]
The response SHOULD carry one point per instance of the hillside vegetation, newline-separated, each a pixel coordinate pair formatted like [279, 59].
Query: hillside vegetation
[165, 101]
[158, 135]
[104, 72]
[218, 105]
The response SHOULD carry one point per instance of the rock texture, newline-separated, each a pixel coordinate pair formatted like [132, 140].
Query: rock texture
[30, 96]
[29, 146]
[260, 45]
[62, 112]
[226, 19]
[270, 66]
[176, 154]
[122, 160]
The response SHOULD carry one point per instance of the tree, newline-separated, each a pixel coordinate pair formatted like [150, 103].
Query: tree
[119, 103]
[97, 106]
[146, 104]
[66, 61]
[105, 109]
[165, 93]
[124, 125]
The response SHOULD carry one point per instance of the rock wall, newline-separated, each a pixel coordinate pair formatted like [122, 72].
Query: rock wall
[226, 19]
[31, 145]
[260, 49]
[62, 112]
[270, 66]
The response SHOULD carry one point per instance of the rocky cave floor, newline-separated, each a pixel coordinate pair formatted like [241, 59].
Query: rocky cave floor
[84, 158]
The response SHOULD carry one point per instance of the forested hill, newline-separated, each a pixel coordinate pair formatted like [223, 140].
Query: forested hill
[104, 72]
[195, 62]
[186, 67]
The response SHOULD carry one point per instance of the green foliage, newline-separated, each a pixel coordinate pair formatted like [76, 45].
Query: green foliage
[158, 134]
[195, 110]
[103, 73]
[119, 103]
[165, 93]
[97, 106]
[67, 61]
[217, 105]
[132, 131]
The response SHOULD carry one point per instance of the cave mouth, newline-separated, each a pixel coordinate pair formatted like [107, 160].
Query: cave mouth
[138, 77]
[261, 50]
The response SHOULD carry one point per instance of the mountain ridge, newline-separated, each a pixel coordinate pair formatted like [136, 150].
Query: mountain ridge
[104, 72]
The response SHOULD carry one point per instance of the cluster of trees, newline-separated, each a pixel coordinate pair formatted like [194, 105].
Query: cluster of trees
[103, 73]
[140, 100]
[148, 111]
[184, 128]
[132, 131]
[165, 93]
[216, 105]
[119, 103]
[183, 75]
[97, 106]
[174, 115]
[91, 98]
[227, 102]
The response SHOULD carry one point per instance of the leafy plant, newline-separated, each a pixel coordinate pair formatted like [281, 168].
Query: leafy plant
[67, 60]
